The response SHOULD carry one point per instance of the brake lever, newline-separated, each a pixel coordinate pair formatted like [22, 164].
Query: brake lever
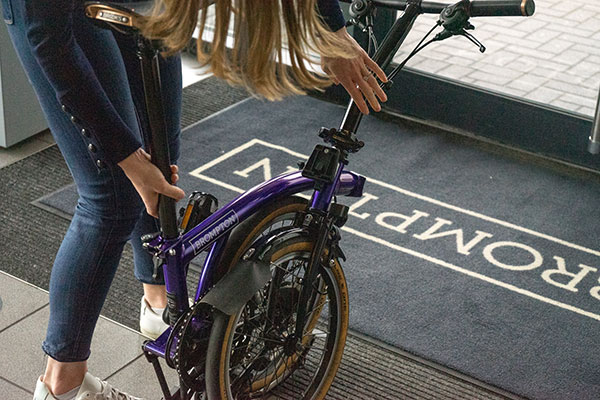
[474, 40]
[455, 20]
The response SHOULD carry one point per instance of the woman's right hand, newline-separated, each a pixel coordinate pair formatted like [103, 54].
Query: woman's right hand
[149, 181]
[357, 75]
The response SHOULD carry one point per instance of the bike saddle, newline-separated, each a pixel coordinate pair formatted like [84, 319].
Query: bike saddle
[123, 17]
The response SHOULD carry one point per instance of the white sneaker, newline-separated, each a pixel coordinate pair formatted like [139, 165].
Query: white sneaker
[151, 322]
[92, 388]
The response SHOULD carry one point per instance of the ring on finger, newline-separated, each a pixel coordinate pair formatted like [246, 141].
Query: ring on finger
[367, 77]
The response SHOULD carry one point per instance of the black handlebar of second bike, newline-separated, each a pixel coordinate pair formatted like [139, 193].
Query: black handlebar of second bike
[477, 8]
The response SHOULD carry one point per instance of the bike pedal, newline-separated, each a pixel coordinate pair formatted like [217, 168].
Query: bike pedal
[200, 206]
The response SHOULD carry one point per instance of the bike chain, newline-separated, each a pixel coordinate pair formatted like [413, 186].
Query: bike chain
[179, 360]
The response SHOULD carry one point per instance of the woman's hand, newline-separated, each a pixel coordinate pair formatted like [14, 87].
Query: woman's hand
[356, 75]
[149, 181]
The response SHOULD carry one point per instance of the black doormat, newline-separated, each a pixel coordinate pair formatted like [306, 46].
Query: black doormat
[471, 257]
[30, 237]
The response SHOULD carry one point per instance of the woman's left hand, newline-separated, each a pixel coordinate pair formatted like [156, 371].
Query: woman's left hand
[356, 75]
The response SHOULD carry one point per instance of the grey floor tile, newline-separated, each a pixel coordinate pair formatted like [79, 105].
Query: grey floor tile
[18, 299]
[46, 136]
[9, 391]
[139, 379]
[24, 149]
[22, 359]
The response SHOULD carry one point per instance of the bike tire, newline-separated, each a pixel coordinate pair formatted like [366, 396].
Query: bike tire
[223, 333]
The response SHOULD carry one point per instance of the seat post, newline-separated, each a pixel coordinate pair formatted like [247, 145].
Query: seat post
[159, 146]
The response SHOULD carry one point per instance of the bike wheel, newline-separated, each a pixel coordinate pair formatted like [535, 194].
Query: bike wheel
[254, 354]
[192, 344]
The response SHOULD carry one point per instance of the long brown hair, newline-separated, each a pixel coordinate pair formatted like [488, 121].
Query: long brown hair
[261, 27]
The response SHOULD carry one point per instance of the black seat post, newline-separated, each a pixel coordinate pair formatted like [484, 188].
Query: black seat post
[159, 146]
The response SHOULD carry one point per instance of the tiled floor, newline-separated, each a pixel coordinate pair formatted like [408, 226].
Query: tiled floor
[116, 350]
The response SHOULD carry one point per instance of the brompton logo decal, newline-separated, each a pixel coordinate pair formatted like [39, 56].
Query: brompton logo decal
[513, 257]
[215, 230]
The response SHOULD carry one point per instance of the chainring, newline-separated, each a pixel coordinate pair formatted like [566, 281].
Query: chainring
[192, 342]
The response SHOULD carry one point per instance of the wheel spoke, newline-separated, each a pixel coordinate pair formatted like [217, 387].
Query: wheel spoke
[265, 360]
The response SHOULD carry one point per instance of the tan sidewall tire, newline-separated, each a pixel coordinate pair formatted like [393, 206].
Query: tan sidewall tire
[224, 325]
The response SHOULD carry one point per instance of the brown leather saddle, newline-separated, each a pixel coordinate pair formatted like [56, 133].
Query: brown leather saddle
[123, 17]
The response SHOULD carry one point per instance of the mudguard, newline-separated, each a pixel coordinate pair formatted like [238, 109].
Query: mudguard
[238, 286]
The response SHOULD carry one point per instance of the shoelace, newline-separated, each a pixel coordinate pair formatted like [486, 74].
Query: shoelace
[111, 393]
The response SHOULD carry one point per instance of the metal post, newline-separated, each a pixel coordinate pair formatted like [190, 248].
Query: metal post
[594, 146]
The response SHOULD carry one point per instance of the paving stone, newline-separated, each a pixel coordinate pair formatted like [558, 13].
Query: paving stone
[18, 299]
[587, 111]
[591, 24]
[525, 65]
[545, 72]
[543, 35]
[585, 69]
[572, 29]
[582, 101]
[567, 6]
[12, 392]
[549, 64]
[570, 78]
[497, 71]
[431, 66]
[490, 78]
[499, 58]
[544, 95]
[581, 15]
[530, 25]
[23, 360]
[570, 57]
[572, 89]
[556, 46]
[590, 50]
[501, 89]
[455, 71]
[566, 106]
[139, 379]
[499, 30]
[459, 60]
[593, 83]
[527, 83]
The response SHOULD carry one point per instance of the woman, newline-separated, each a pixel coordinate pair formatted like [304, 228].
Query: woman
[88, 84]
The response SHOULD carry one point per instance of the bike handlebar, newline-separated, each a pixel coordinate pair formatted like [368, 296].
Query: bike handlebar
[502, 8]
[477, 8]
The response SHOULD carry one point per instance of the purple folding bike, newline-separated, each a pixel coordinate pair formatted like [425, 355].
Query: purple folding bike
[270, 311]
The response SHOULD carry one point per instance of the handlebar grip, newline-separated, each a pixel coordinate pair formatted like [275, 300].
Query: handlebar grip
[502, 8]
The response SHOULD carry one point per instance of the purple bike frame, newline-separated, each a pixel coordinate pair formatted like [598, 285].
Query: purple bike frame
[214, 231]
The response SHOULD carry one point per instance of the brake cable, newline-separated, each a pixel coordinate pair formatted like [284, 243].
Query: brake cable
[420, 46]
[454, 19]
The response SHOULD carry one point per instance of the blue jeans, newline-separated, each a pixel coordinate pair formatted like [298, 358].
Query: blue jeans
[109, 211]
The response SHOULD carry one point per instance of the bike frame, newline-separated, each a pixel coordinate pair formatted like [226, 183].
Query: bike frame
[212, 233]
